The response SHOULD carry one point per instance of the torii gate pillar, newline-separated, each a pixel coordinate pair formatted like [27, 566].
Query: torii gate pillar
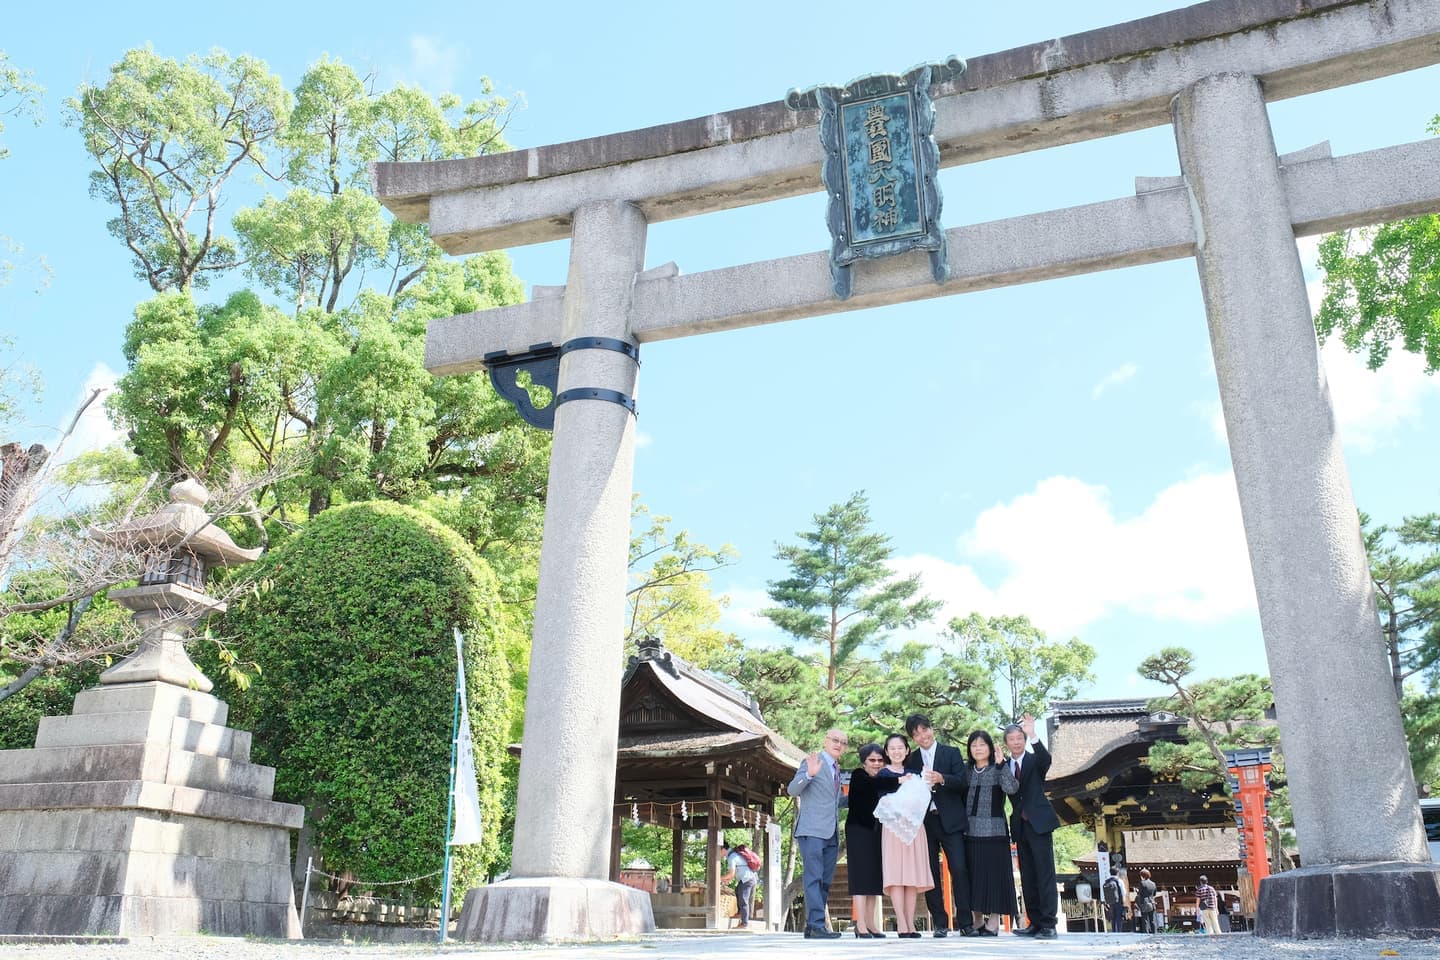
[567, 770]
[1312, 579]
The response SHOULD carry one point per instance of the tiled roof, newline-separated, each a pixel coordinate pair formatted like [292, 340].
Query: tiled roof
[1198, 845]
[1075, 743]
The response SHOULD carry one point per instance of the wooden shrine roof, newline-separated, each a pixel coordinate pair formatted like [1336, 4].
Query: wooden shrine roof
[671, 711]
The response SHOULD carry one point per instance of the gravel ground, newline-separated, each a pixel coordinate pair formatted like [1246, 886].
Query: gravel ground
[722, 947]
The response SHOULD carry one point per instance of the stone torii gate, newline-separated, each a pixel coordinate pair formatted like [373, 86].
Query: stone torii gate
[1237, 208]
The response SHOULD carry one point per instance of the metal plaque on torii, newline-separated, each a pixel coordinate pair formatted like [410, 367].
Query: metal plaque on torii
[880, 164]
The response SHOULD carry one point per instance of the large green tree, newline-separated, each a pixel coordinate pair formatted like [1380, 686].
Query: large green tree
[1405, 567]
[841, 595]
[352, 702]
[1225, 713]
[167, 136]
[323, 362]
[1030, 669]
[669, 594]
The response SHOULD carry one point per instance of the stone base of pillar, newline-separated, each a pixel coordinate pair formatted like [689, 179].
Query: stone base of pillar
[554, 908]
[1372, 900]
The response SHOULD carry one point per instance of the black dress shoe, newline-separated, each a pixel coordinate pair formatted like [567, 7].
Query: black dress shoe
[912, 935]
[941, 932]
[1029, 930]
[876, 935]
[1046, 933]
[986, 932]
[812, 933]
[969, 932]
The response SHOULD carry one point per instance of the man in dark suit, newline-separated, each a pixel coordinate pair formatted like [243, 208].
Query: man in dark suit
[943, 767]
[1032, 820]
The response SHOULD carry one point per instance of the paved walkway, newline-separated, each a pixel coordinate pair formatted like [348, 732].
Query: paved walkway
[735, 946]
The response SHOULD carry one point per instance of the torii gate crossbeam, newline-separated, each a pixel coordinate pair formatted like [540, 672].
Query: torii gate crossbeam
[1209, 70]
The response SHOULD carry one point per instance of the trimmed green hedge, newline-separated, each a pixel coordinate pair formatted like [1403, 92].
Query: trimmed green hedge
[353, 705]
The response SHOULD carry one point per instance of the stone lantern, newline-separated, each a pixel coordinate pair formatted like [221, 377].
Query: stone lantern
[140, 814]
[181, 545]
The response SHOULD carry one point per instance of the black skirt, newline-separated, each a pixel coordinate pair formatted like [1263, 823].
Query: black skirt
[862, 854]
[992, 875]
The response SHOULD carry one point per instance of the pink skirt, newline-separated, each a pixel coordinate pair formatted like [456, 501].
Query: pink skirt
[905, 864]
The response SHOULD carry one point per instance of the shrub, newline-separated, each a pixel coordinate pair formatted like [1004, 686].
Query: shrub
[352, 704]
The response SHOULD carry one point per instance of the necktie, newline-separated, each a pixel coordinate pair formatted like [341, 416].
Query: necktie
[836, 768]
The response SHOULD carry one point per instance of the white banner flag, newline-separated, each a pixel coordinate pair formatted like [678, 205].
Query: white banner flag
[465, 794]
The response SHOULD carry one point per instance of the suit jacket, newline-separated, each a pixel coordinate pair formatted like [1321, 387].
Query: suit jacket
[818, 799]
[1030, 799]
[949, 796]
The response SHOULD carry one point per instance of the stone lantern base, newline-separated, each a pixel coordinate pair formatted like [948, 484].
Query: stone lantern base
[140, 814]
[1372, 900]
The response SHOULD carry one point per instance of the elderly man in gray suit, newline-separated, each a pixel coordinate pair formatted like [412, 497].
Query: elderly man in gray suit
[816, 789]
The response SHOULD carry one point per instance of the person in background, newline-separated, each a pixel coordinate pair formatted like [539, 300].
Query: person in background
[1145, 902]
[1114, 892]
[744, 879]
[1207, 902]
[816, 789]
[862, 839]
[987, 839]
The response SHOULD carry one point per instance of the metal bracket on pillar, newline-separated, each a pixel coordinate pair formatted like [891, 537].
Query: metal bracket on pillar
[542, 362]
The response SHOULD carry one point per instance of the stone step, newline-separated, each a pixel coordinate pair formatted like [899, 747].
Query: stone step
[220, 775]
[156, 762]
[211, 740]
[95, 729]
[156, 697]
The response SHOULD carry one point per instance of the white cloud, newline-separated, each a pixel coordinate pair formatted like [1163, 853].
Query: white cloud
[643, 439]
[1372, 405]
[1114, 378]
[94, 431]
[742, 615]
[1068, 561]
[434, 63]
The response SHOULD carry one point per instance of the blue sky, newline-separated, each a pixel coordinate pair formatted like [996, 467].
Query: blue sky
[1053, 449]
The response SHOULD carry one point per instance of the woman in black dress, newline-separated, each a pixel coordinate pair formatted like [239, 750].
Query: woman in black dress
[862, 840]
[987, 841]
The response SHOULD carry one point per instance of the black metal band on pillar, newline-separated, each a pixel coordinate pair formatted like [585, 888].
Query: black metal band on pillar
[630, 350]
[599, 393]
[542, 363]
[596, 393]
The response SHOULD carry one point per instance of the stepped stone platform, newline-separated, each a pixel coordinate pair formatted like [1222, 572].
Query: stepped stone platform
[141, 814]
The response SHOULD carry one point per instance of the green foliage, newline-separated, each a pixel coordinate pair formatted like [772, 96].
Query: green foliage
[50, 695]
[840, 594]
[1421, 714]
[669, 594]
[1225, 713]
[354, 702]
[1405, 568]
[19, 383]
[19, 95]
[166, 136]
[1071, 841]
[1031, 670]
[1382, 284]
